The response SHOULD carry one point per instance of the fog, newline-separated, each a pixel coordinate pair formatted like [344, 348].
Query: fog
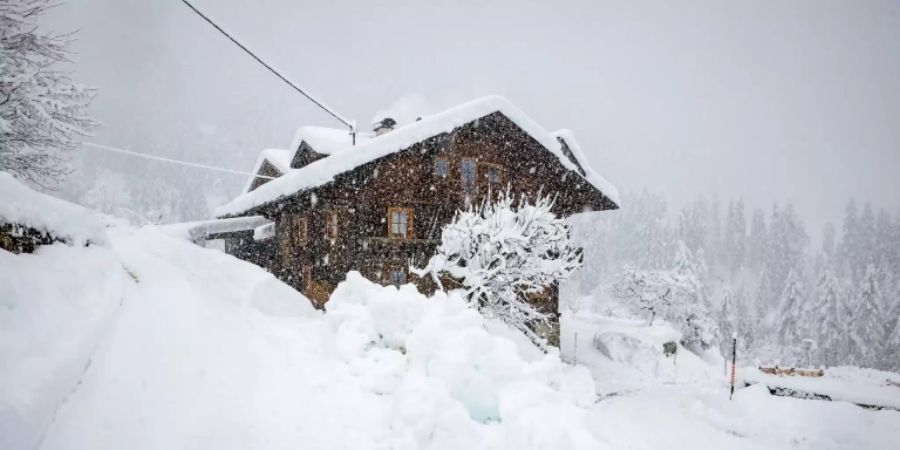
[765, 100]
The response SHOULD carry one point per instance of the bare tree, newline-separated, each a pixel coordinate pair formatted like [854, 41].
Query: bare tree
[42, 110]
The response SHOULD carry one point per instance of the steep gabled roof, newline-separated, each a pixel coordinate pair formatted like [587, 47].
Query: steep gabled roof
[325, 170]
[278, 158]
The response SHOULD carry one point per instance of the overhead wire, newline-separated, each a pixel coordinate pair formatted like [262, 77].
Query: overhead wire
[317, 102]
[172, 161]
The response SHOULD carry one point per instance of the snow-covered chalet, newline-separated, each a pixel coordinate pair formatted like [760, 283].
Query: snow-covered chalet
[377, 206]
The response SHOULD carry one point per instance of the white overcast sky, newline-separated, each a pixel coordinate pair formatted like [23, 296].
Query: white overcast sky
[768, 100]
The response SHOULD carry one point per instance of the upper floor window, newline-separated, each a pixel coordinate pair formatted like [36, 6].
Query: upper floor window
[398, 277]
[300, 230]
[331, 225]
[468, 176]
[399, 223]
[441, 166]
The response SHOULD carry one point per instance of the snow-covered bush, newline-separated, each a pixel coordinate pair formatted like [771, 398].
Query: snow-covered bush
[677, 295]
[503, 253]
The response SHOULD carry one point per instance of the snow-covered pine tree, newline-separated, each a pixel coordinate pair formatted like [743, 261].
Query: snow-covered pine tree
[849, 247]
[503, 252]
[691, 308]
[790, 320]
[727, 321]
[831, 317]
[42, 111]
[867, 332]
[734, 237]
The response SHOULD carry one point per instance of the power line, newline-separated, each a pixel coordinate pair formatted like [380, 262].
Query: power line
[349, 123]
[170, 160]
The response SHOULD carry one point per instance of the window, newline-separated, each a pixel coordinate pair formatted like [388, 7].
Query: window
[399, 223]
[398, 277]
[300, 230]
[491, 173]
[468, 175]
[440, 167]
[331, 225]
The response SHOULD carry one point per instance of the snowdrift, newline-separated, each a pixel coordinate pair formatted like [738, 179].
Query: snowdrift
[153, 342]
[162, 344]
[20, 205]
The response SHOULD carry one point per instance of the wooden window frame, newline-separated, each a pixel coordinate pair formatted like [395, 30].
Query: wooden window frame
[468, 188]
[409, 222]
[485, 167]
[401, 280]
[332, 229]
[301, 230]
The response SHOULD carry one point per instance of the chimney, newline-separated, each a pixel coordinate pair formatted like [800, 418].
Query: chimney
[384, 125]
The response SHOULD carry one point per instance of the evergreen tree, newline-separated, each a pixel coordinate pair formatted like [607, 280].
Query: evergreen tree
[756, 241]
[790, 320]
[867, 332]
[734, 237]
[831, 333]
[850, 242]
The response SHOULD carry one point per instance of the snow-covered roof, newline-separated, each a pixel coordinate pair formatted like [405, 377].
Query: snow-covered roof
[324, 170]
[280, 159]
[201, 229]
[590, 174]
[20, 205]
[327, 141]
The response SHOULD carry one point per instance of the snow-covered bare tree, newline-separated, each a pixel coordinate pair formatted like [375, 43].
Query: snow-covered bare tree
[505, 253]
[42, 110]
[646, 290]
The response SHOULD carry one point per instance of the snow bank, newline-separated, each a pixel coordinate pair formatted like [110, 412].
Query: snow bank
[153, 342]
[324, 170]
[55, 307]
[207, 351]
[74, 224]
[846, 384]
[625, 354]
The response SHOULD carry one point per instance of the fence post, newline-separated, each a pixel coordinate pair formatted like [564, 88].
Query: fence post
[733, 362]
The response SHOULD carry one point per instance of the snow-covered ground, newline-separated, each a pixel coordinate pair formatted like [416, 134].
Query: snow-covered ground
[152, 342]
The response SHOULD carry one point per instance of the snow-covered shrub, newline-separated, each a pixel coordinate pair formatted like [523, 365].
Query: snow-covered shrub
[504, 252]
[677, 295]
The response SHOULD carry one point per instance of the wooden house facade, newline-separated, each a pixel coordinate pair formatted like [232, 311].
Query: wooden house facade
[379, 207]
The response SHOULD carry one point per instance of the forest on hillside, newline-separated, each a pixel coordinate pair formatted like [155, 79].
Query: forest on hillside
[757, 274]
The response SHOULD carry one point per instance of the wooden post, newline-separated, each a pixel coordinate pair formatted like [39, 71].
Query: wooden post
[733, 363]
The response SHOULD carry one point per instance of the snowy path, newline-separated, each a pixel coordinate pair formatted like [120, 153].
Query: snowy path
[182, 367]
